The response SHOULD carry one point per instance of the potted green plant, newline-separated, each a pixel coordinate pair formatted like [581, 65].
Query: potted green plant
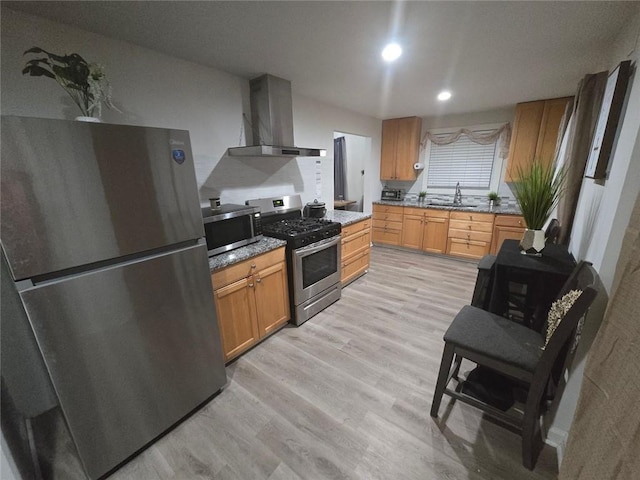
[85, 83]
[494, 199]
[537, 191]
[421, 196]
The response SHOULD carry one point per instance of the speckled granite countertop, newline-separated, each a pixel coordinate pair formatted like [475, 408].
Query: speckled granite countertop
[345, 217]
[243, 253]
[502, 210]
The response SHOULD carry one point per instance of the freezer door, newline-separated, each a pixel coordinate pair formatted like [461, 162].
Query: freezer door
[75, 193]
[131, 349]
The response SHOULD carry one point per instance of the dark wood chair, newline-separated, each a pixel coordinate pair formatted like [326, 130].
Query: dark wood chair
[515, 351]
[480, 296]
[552, 233]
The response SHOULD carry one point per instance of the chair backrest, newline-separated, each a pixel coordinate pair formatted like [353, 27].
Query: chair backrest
[583, 278]
[552, 232]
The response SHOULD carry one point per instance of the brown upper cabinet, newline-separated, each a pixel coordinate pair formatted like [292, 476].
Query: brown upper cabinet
[400, 148]
[535, 134]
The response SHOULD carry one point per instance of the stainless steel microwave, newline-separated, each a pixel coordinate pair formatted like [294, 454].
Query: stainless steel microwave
[231, 226]
[394, 194]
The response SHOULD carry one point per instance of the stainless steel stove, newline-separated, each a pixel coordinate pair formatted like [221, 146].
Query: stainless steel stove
[313, 254]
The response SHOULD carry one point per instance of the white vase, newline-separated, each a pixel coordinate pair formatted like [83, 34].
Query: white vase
[532, 242]
[88, 119]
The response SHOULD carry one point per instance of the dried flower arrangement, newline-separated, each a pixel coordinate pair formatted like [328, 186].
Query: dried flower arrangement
[558, 310]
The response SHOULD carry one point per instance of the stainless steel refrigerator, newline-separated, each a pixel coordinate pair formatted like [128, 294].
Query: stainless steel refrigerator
[102, 242]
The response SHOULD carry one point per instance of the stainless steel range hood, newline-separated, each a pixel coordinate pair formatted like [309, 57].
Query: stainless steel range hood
[272, 122]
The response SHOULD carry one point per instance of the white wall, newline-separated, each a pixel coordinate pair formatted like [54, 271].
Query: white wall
[604, 208]
[155, 89]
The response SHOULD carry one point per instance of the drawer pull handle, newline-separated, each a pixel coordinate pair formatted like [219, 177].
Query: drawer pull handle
[259, 280]
[251, 285]
[253, 265]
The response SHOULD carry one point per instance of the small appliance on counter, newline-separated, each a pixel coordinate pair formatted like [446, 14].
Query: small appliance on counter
[230, 226]
[313, 254]
[314, 209]
[392, 194]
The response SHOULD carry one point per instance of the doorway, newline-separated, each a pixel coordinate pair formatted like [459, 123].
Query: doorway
[350, 157]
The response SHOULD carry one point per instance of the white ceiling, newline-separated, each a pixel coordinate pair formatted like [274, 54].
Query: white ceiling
[489, 54]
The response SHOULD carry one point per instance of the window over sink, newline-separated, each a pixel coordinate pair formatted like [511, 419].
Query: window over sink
[474, 165]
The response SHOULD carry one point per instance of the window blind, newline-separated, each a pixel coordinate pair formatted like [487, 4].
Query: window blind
[462, 161]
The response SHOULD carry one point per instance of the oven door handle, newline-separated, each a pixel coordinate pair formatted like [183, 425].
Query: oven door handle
[316, 247]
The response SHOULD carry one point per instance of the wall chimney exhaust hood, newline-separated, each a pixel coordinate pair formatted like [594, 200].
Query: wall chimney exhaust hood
[272, 122]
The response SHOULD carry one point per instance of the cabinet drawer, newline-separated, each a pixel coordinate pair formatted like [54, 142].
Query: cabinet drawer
[432, 213]
[388, 225]
[470, 226]
[356, 227]
[353, 243]
[414, 211]
[470, 235]
[510, 221]
[472, 216]
[387, 209]
[355, 265]
[382, 235]
[390, 217]
[233, 273]
[467, 248]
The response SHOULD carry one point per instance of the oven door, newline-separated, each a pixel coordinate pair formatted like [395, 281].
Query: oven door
[316, 267]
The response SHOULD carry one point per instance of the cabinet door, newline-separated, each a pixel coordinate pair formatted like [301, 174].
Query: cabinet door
[272, 298]
[501, 233]
[388, 151]
[524, 138]
[408, 147]
[549, 129]
[412, 231]
[435, 235]
[386, 235]
[236, 308]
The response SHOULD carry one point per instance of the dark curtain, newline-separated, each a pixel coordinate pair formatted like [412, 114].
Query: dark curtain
[339, 169]
[586, 108]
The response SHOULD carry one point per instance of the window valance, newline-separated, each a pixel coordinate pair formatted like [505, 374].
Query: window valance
[483, 137]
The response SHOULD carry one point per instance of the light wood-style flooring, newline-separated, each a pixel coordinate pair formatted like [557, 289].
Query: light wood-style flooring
[347, 395]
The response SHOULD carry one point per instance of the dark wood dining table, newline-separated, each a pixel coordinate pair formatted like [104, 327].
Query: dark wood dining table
[542, 277]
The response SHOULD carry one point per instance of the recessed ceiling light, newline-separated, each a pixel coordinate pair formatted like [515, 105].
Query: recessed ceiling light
[391, 52]
[444, 95]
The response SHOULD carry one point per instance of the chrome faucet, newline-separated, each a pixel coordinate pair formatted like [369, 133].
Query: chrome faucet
[457, 198]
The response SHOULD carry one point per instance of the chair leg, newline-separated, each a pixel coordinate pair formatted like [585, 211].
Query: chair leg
[443, 376]
[456, 367]
[531, 433]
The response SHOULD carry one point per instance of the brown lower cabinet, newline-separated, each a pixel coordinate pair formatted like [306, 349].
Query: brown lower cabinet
[470, 234]
[459, 233]
[425, 229]
[355, 246]
[387, 224]
[252, 301]
[506, 227]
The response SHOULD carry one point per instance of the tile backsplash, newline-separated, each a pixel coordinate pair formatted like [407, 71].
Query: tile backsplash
[505, 201]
